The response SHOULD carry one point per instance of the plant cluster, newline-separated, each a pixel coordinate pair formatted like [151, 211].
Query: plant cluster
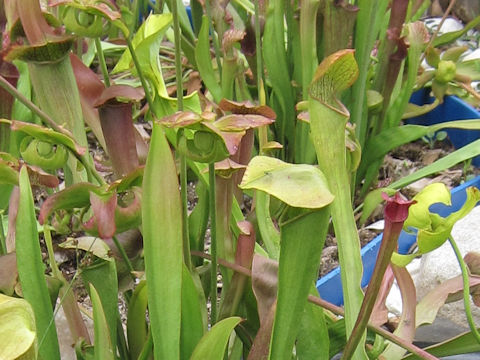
[293, 104]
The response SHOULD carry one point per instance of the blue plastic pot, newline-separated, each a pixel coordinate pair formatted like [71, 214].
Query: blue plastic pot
[452, 109]
[330, 285]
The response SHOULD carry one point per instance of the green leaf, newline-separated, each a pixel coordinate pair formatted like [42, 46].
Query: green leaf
[269, 233]
[204, 61]
[462, 344]
[276, 63]
[103, 346]
[389, 139]
[155, 25]
[454, 35]
[103, 276]
[91, 244]
[162, 234]
[193, 300]
[313, 341]
[213, 344]
[31, 271]
[418, 213]
[136, 320]
[17, 329]
[48, 135]
[75, 196]
[301, 245]
[434, 230]
[336, 73]
[7, 174]
[470, 68]
[297, 185]
[467, 152]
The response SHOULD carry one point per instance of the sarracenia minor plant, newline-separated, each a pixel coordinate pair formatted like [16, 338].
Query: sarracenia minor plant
[166, 159]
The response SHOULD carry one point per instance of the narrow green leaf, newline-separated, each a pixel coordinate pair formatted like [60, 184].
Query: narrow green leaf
[452, 36]
[301, 247]
[102, 275]
[389, 139]
[459, 345]
[467, 152]
[154, 25]
[369, 18]
[192, 329]
[17, 329]
[417, 37]
[297, 185]
[103, 347]
[269, 233]
[137, 321]
[162, 237]
[213, 344]
[31, 271]
[275, 58]
[313, 341]
[204, 61]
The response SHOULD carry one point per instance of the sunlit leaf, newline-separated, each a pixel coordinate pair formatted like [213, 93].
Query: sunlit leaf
[213, 344]
[297, 185]
[103, 346]
[31, 270]
[90, 244]
[335, 74]
[17, 329]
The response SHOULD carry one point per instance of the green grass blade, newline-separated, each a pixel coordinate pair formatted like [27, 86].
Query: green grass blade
[275, 59]
[162, 238]
[365, 34]
[204, 61]
[461, 344]
[31, 271]
[103, 345]
[468, 151]
[392, 138]
[213, 344]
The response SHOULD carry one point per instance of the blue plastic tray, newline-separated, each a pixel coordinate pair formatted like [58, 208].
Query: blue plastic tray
[330, 285]
[452, 109]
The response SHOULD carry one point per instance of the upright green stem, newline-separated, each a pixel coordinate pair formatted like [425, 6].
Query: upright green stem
[178, 62]
[466, 289]
[45, 118]
[148, 95]
[183, 187]
[216, 46]
[183, 160]
[3, 245]
[328, 120]
[51, 254]
[213, 242]
[258, 48]
[101, 60]
[124, 256]
[147, 348]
